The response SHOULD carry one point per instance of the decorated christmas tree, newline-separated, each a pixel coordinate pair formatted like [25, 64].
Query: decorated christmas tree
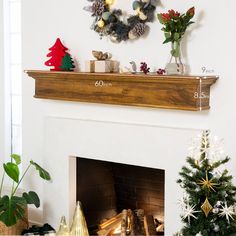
[208, 205]
[67, 63]
[58, 51]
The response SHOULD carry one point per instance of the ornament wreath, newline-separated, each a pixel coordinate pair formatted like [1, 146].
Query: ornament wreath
[108, 21]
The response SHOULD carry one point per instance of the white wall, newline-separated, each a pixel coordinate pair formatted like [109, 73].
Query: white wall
[1, 86]
[211, 44]
[5, 95]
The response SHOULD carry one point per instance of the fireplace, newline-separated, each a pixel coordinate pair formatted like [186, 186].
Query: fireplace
[117, 142]
[112, 193]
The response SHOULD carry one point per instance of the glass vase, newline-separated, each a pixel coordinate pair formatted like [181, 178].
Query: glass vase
[79, 225]
[175, 65]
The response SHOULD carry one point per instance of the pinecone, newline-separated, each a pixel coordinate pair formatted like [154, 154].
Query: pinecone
[98, 7]
[138, 30]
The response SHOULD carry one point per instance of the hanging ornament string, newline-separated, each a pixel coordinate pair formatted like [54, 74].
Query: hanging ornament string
[109, 22]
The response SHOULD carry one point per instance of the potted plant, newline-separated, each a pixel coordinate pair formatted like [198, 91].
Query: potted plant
[175, 26]
[13, 208]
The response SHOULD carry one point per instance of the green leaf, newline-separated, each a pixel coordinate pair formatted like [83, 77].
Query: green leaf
[167, 35]
[16, 158]
[12, 210]
[42, 173]
[7, 216]
[12, 171]
[32, 198]
[18, 204]
[167, 40]
[159, 17]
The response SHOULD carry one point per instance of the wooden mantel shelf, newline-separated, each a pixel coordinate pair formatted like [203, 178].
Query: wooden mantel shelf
[171, 92]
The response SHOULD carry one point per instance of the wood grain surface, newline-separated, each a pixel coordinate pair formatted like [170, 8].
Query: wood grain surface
[170, 92]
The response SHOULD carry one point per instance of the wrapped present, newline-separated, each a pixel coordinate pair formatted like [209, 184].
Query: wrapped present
[102, 66]
[90, 66]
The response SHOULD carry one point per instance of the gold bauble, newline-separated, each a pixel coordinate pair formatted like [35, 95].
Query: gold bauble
[206, 207]
[101, 23]
[109, 2]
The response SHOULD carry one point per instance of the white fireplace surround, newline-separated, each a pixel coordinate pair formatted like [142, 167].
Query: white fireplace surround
[136, 144]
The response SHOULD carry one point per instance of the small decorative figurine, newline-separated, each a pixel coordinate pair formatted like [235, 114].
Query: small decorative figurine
[161, 71]
[79, 225]
[58, 51]
[60, 59]
[63, 228]
[144, 68]
[133, 67]
[67, 63]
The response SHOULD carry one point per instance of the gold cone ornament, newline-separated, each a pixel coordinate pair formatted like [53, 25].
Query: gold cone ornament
[79, 225]
[63, 228]
[206, 207]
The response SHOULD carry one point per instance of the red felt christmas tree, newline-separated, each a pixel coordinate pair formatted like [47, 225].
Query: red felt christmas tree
[58, 51]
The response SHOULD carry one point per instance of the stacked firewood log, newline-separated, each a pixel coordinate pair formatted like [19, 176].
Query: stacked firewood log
[129, 223]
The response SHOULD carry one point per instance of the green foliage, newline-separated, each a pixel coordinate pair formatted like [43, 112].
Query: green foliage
[175, 26]
[42, 173]
[224, 191]
[12, 207]
[32, 198]
[12, 170]
[67, 63]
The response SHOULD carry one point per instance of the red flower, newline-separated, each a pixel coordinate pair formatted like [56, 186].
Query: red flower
[191, 11]
[166, 17]
[173, 13]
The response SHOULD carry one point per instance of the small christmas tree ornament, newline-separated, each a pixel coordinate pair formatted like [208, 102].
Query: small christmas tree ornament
[63, 228]
[58, 51]
[144, 68]
[189, 212]
[208, 184]
[206, 207]
[79, 225]
[227, 212]
[67, 63]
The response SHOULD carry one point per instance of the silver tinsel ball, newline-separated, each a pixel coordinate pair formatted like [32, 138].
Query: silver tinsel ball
[215, 210]
[216, 228]
[199, 234]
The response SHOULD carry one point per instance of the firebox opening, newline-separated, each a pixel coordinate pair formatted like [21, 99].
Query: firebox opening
[121, 198]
